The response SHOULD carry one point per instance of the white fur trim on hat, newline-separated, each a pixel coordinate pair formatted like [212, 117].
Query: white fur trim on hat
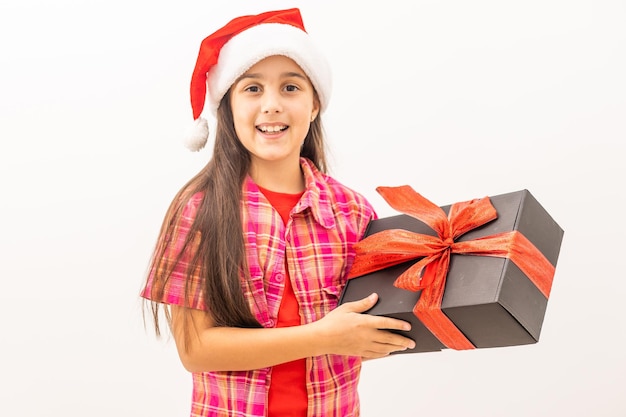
[247, 48]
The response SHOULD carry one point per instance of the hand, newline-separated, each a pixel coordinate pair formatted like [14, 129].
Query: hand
[347, 331]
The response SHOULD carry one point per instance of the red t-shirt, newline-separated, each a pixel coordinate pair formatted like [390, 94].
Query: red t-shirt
[287, 392]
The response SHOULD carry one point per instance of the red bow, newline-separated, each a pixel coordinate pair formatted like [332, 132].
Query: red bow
[395, 246]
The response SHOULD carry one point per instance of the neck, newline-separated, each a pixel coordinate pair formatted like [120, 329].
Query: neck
[283, 177]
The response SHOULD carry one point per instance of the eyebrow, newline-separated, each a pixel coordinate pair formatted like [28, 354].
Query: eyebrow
[289, 74]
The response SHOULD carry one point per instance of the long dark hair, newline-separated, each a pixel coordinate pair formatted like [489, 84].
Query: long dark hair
[216, 239]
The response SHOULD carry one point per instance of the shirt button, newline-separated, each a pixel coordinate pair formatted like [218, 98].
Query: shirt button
[279, 277]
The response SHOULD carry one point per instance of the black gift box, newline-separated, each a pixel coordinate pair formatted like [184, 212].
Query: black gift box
[489, 299]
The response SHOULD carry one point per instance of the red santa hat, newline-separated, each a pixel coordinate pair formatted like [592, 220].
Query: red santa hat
[229, 52]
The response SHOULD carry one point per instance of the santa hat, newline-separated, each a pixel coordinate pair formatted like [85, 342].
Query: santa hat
[229, 52]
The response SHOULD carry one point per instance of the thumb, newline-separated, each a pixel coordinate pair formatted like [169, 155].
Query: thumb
[364, 304]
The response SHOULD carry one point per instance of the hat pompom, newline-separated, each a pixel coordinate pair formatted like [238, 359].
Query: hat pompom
[197, 135]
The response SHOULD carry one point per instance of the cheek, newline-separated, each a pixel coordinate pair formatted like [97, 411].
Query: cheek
[305, 110]
[240, 107]
[243, 119]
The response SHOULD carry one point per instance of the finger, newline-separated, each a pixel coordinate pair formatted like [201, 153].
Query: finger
[364, 304]
[389, 323]
[380, 350]
[368, 355]
[394, 341]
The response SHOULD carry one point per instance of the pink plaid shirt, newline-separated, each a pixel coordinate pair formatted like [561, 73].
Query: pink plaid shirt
[318, 243]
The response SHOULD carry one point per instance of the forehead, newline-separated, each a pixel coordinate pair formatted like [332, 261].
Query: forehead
[276, 64]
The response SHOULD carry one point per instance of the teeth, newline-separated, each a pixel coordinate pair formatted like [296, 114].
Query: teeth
[272, 129]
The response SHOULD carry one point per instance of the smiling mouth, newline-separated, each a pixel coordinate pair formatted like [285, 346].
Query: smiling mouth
[272, 129]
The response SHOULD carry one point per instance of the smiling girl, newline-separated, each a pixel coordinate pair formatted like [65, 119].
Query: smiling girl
[254, 250]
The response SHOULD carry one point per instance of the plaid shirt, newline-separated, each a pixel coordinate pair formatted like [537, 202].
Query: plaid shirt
[318, 243]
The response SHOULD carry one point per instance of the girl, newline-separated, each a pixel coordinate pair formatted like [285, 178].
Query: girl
[253, 252]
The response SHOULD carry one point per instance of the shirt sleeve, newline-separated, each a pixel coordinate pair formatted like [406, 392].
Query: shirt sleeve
[367, 214]
[181, 286]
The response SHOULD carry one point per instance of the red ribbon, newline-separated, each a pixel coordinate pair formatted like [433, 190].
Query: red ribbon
[394, 246]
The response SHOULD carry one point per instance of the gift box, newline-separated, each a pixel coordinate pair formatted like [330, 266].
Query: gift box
[470, 275]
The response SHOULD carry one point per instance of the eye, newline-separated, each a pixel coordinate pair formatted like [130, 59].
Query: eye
[252, 89]
[291, 87]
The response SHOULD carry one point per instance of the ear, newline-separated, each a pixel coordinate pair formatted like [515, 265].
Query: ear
[316, 108]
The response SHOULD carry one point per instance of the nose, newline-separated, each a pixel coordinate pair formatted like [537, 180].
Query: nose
[271, 102]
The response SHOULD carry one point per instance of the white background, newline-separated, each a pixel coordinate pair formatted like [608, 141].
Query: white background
[458, 99]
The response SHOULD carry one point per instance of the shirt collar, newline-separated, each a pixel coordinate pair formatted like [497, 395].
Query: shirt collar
[316, 197]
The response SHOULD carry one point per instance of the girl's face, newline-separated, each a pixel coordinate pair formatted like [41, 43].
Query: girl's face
[273, 105]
